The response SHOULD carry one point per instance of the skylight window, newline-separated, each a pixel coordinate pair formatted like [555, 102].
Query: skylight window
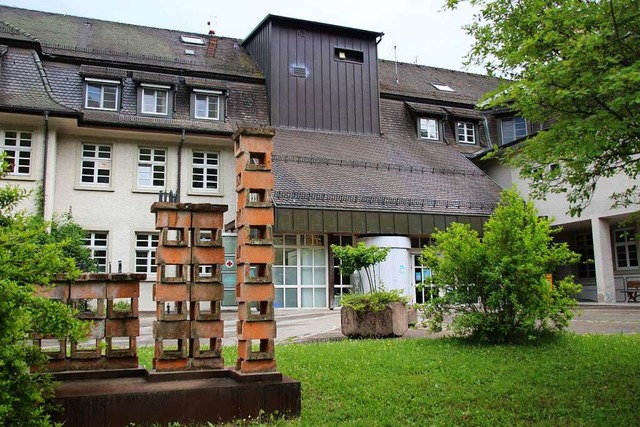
[192, 40]
[443, 87]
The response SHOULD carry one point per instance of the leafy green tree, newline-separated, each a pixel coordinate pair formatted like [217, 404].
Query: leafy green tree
[360, 258]
[27, 261]
[576, 65]
[495, 287]
[64, 230]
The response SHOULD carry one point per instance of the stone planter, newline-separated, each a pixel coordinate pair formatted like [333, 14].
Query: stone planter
[412, 316]
[387, 323]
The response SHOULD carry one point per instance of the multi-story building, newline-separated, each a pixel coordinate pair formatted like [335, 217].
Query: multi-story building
[104, 116]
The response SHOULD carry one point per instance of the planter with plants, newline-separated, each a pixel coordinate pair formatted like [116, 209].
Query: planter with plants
[371, 311]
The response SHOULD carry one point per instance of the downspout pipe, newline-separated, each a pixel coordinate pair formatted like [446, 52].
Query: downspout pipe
[486, 131]
[180, 165]
[42, 201]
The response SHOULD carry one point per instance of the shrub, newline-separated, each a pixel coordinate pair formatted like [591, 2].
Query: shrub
[495, 287]
[26, 261]
[375, 301]
[358, 258]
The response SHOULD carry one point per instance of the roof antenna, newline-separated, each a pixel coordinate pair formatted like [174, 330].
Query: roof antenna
[395, 59]
[212, 31]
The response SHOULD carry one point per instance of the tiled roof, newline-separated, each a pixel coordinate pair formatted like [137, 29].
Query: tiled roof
[7, 31]
[416, 81]
[24, 84]
[247, 102]
[199, 82]
[426, 109]
[146, 77]
[88, 38]
[385, 173]
[102, 72]
[111, 119]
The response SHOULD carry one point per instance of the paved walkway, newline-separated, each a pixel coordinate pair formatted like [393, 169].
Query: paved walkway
[304, 325]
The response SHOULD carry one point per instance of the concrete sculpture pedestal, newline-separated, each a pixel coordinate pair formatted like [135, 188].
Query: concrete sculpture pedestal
[121, 397]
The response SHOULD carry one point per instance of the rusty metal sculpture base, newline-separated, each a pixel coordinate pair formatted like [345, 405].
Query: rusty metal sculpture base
[122, 397]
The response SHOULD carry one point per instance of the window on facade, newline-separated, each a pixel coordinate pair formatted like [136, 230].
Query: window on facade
[466, 133]
[299, 271]
[584, 246]
[97, 242]
[207, 106]
[155, 99]
[95, 164]
[349, 55]
[146, 244]
[17, 148]
[152, 167]
[512, 129]
[101, 94]
[420, 242]
[626, 248]
[341, 284]
[205, 171]
[429, 129]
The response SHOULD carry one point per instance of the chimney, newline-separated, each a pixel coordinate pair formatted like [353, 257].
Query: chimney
[213, 44]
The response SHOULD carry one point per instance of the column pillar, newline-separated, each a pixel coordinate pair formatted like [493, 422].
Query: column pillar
[603, 258]
[255, 293]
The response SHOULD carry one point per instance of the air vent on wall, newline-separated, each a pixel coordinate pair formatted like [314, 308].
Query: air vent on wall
[298, 71]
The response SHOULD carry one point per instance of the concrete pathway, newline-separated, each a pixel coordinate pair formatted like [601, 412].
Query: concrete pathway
[305, 325]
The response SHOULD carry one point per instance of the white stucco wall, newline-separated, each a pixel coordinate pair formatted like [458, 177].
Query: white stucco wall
[122, 210]
[395, 271]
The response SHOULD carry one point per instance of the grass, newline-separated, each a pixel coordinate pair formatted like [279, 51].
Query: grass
[572, 380]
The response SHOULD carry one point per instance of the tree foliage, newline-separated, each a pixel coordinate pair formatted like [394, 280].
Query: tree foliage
[575, 64]
[495, 287]
[28, 259]
[361, 258]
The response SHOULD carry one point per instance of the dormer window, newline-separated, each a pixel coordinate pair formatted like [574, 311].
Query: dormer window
[466, 132]
[101, 94]
[207, 104]
[429, 129]
[154, 99]
[512, 128]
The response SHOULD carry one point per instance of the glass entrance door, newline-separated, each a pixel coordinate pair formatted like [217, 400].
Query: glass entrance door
[424, 290]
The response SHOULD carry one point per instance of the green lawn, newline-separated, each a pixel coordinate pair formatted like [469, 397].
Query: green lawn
[574, 380]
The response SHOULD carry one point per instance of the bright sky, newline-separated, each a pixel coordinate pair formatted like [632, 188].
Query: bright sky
[421, 30]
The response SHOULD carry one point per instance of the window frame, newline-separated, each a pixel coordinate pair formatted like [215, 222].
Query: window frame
[94, 185]
[138, 186]
[90, 243]
[101, 83]
[437, 128]
[156, 88]
[585, 248]
[290, 269]
[149, 256]
[465, 133]
[626, 244]
[192, 166]
[195, 92]
[513, 120]
[17, 149]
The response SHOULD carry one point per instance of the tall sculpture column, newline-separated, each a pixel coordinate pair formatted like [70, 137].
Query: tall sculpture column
[255, 293]
[188, 291]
